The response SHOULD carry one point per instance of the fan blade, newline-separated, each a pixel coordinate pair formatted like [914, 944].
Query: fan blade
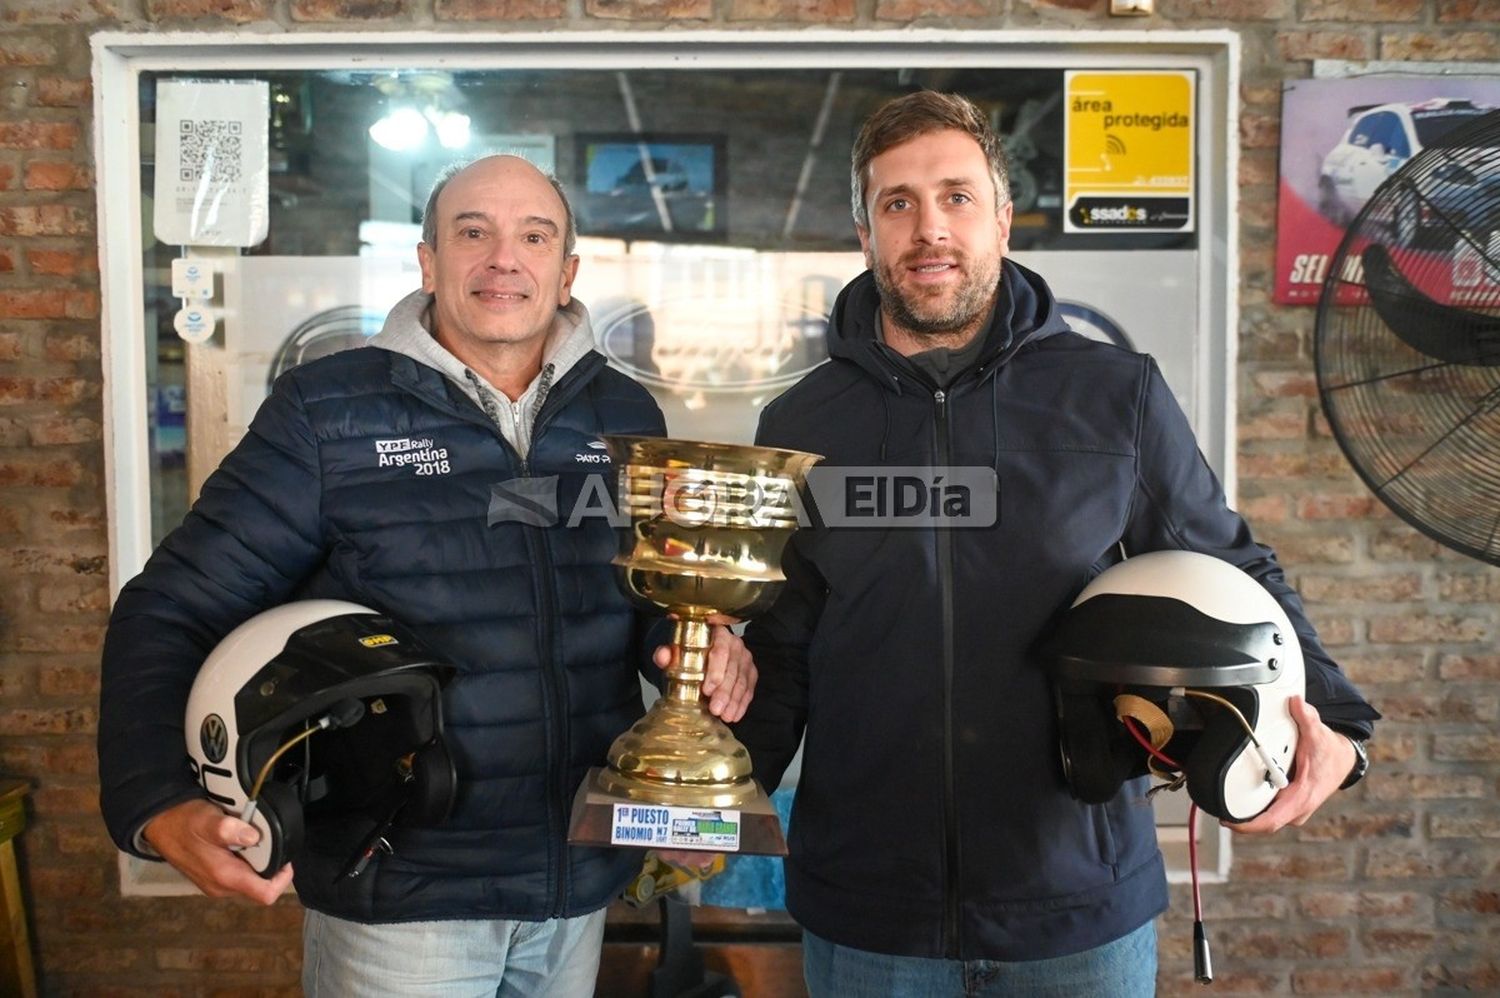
[1445, 332]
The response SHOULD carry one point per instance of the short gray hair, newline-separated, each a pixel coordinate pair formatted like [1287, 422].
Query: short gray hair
[447, 173]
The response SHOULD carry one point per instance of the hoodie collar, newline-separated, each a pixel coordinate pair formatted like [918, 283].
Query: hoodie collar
[408, 331]
[1024, 312]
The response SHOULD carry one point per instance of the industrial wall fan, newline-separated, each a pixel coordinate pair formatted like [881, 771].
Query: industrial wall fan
[1407, 343]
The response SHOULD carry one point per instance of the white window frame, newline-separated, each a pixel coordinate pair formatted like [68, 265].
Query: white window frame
[119, 58]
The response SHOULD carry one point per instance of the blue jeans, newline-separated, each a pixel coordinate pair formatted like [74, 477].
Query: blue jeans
[1125, 968]
[457, 959]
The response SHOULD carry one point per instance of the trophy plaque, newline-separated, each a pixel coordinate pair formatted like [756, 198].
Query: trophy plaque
[705, 527]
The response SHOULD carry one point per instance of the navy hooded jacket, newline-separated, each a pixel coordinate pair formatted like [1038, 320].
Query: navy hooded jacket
[931, 817]
[546, 647]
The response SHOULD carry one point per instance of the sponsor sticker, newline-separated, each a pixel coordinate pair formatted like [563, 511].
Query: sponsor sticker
[662, 827]
[377, 640]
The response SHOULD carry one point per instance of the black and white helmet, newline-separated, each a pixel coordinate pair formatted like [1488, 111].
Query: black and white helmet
[1187, 633]
[319, 709]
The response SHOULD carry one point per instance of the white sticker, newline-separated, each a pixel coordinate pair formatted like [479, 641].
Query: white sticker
[657, 826]
[212, 162]
[195, 324]
[192, 279]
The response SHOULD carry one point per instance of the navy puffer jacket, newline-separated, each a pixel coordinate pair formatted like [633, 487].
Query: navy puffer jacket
[546, 646]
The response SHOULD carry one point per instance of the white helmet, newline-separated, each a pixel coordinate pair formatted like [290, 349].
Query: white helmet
[325, 707]
[1199, 639]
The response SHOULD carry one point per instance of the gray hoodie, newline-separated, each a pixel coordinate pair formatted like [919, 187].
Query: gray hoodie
[408, 331]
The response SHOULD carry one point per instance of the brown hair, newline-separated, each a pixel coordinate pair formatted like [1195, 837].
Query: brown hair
[903, 119]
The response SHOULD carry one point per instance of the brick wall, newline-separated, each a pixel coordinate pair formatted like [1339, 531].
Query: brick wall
[1393, 889]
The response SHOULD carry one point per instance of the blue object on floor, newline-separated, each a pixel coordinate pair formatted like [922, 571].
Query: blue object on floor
[752, 881]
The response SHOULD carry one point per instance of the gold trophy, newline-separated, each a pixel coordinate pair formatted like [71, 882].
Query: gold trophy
[707, 524]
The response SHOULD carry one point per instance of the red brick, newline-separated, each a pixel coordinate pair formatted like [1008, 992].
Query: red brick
[1423, 786]
[1468, 10]
[56, 430]
[11, 346]
[1227, 10]
[1432, 45]
[61, 91]
[1229, 982]
[1452, 707]
[1327, 827]
[68, 638]
[49, 473]
[82, 596]
[80, 839]
[1392, 941]
[58, 11]
[61, 263]
[1379, 668]
[1281, 945]
[1285, 384]
[220, 959]
[1399, 587]
[1052, 6]
[1324, 905]
[1466, 748]
[1467, 823]
[1263, 509]
[61, 681]
[1470, 587]
[58, 177]
[41, 721]
[348, 10]
[1393, 746]
[1480, 901]
[1284, 866]
[45, 220]
[20, 50]
[650, 10]
[1423, 862]
[54, 390]
[70, 346]
[1425, 627]
[1308, 45]
[1361, 10]
[791, 10]
[53, 303]
[7, 261]
[1322, 548]
[497, 10]
[1281, 465]
[1469, 667]
[234, 11]
[1351, 980]
[38, 134]
[1277, 424]
[912, 10]
[1458, 975]
[74, 880]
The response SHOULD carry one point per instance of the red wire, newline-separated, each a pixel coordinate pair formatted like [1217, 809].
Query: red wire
[1134, 728]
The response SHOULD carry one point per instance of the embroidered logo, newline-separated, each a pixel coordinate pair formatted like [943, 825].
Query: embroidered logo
[420, 454]
[595, 458]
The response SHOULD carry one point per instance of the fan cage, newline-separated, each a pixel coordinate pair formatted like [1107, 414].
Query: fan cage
[1407, 341]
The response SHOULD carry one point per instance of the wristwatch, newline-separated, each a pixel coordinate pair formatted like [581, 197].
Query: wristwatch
[1361, 763]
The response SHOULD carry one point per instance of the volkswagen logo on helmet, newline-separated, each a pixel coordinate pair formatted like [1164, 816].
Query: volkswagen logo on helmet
[214, 737]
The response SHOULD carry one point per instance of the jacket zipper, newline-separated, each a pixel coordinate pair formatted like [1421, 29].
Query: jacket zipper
[950, 803]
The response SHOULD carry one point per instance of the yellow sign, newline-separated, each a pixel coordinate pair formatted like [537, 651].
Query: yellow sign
[1129, 144]
[376, 640]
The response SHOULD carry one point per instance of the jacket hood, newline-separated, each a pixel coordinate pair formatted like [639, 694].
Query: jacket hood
[1025, 312]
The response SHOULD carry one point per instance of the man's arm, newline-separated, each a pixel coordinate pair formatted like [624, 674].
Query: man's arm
[1180, 505]
[249, 540]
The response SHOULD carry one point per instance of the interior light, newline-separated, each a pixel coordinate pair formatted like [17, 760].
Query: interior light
[402, 129]
[452, 128]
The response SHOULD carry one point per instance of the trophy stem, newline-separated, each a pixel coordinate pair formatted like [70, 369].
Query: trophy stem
[690, 642]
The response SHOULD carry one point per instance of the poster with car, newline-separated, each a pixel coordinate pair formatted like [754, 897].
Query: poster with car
[1340, 140]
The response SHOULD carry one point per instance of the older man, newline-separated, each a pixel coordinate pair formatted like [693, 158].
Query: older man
[493, 362]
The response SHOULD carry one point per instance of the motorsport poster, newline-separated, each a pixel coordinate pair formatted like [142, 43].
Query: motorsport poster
[1340, 138]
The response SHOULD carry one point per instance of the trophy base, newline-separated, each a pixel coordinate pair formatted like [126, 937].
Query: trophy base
[601, 818]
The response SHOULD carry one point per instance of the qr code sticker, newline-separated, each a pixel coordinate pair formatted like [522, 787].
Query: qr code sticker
[212, 147]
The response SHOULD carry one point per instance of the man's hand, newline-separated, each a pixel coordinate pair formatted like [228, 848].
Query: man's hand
[729, 675]
[195, 837]
[1322, 762]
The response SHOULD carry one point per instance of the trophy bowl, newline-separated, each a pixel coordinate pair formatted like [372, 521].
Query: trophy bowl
[706, 524]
